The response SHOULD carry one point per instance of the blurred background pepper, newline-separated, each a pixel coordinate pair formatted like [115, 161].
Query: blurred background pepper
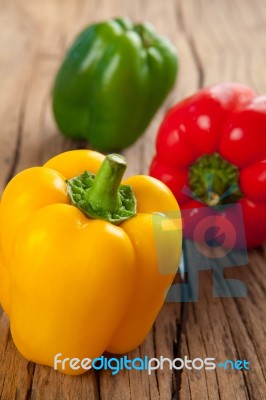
[112, 81]
[211, 150]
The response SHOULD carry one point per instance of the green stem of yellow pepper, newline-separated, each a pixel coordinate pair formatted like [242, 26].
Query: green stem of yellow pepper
[102, 196]
[104, 192]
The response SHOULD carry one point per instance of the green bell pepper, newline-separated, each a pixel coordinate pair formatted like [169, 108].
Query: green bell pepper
[112, 81]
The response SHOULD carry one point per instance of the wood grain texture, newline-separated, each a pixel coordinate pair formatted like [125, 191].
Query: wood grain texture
[217, 41]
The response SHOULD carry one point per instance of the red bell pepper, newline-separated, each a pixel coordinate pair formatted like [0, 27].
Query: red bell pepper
[212, 147]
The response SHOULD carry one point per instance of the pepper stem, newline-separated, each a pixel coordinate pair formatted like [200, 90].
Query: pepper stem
[104, 192]
[214, 180]
[101, 196]
[212, 198]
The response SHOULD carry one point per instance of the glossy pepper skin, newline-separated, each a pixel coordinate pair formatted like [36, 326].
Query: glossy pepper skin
[219, 132]
[112, 81]
[75, 285]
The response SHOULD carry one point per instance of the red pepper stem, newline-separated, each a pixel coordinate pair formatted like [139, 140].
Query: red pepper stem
[214, 180]
[212, 198]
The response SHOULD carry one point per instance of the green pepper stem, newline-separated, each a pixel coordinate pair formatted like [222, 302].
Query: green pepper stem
[214, 180]
[212, 198]
[103, 194]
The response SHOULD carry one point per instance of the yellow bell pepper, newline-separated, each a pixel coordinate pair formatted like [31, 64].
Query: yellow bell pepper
[76, 283]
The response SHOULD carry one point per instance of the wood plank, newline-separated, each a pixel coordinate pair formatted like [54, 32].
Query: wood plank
[230, 328]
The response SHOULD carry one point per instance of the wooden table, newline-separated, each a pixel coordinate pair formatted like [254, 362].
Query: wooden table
[217, 41]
